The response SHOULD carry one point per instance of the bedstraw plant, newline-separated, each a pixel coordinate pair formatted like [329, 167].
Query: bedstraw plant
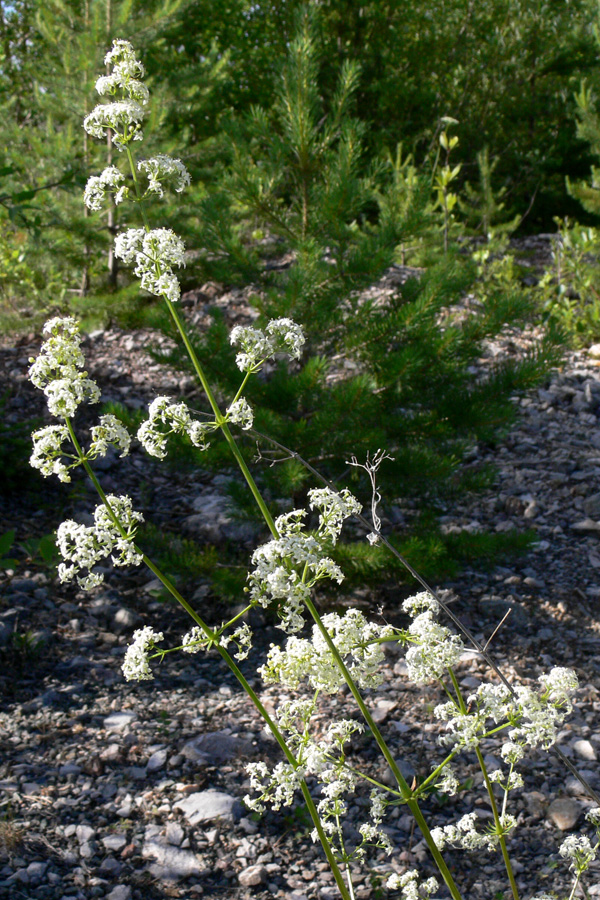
[339, 651]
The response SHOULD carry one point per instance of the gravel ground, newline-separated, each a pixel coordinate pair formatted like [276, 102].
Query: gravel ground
[109, 789]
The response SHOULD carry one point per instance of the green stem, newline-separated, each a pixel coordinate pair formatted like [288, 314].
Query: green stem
[267, 719]
[490, 790]
[219, 418]
[405, 790]
[214, 640]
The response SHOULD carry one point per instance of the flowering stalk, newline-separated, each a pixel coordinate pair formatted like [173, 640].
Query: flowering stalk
[219, 418]
[344, 650]
[213, 640]
[498, 820]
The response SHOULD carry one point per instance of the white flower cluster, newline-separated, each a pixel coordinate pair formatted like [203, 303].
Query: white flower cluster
[170, 418]
[280, 336]
[408, 884]
[58, 370]
[579, 851]
[109, 431]
[136, 666]
[48, 452]
[323, 759]
[240, 413]
[111, 181]
[163, 169]
[371, 832]
[464, 834]
[195, 640]
[436, 648]
[277, 786]
[510, 783]
[358, 642]
[84, 546]
[535, 717]
[153, 254]
[275, 578]
[449, 782]
[123, 117]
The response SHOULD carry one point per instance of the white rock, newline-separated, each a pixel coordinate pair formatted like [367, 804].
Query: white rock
[252, 876]
[205, 806]
[85, 834]
[173, 863]
[584, 750]
[119, 721]
[114, 841]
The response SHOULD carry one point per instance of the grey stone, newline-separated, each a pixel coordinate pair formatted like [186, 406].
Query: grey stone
[215, 747]
[87, 851]
[205, 806]
[172, 863]
[252, 876]
[156, 761]
[584, 749]
[85, 834]
[591, 506]
[124, 620]
[114, 842]
[119, 721]
[174, 834]
[564, 813]
[121, 892]
[36, 871]
[495, 608]
[111, 867]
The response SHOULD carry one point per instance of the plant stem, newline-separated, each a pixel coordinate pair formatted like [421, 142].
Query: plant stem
[405, 790]
[490, 790]
[233, 667]
[219, 418]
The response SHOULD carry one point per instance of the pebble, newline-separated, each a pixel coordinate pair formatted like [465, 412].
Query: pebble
[252, 876]
[205, 806]
[172, 864]
[564, 813]
[119, 721]
[585, 750]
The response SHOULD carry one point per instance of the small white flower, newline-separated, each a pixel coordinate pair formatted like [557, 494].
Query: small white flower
[240, 413]
[160, 169]
[357, 641]
[167, 418]
[285, 337]
[122, 57]
[84, 546]
[57, 370]
[109, 431]
[123, 118]
[334, 508]
[579, 851]
[153, 254]
[408, 883]
[280, 336]
[194, 641]
[112, 181]
[136, 666]
[48, 453]
[448, 783]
